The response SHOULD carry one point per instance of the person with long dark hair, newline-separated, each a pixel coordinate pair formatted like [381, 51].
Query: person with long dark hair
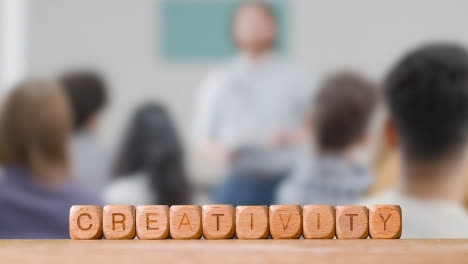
[149, 166]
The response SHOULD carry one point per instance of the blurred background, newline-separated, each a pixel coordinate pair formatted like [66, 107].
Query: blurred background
[165, 52]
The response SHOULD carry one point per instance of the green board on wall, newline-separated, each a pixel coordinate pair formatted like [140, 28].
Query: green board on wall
[201, 29]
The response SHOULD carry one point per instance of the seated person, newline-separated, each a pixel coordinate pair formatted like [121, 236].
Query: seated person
[35, 191]
[337, 126]
[87, 93]
[427, 95]
[149, 168]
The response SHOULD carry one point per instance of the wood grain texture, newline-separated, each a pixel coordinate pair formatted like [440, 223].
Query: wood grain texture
[317, 251]
[352, 222]
[85, 222]
[119, 221]
[319, 221]
[285, 221]
[186, 221]
[219, 221]
[152, 221]
[385, 221]
[252, 222]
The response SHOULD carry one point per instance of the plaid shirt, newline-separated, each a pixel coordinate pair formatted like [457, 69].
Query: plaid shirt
[324, 180]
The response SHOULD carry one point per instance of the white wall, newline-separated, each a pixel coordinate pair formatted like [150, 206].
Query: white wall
[372, 34]
[1, 43]
[13, 39]
[120, 37]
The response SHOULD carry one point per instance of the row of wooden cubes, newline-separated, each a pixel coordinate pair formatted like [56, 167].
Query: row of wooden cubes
[224, 221]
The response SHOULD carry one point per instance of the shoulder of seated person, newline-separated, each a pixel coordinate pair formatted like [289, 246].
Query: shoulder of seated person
[127, 184]
[133, 180]
[386, 197]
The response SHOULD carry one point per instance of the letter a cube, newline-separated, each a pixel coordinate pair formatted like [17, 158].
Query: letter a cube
[186, 221]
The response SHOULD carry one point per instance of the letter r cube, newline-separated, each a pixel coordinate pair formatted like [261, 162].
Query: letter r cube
[119, 221]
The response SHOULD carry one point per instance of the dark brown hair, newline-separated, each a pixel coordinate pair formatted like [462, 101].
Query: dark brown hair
[342, 110]
[87, 92]
[34, 128]
[427, 95]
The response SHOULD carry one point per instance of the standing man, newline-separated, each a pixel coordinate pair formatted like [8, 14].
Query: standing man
[249, 111]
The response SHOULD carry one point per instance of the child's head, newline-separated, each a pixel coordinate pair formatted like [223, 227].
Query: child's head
[35, 125]
[427, 94]
[341, 111]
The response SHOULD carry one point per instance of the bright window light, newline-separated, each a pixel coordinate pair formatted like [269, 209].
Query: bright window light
[13, 53]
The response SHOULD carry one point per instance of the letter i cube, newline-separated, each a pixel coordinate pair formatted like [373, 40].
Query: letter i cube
[252, 222]
[319, 221]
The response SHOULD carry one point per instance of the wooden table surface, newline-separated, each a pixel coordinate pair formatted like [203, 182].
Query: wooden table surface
[234, 251]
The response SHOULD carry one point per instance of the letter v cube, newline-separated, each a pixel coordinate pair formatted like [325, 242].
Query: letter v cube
[285, 221]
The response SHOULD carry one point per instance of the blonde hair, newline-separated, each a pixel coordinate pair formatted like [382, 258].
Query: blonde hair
[35, 125]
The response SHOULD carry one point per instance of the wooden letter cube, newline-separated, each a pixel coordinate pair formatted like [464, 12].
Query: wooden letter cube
[85, 222]
[219, 221]
[352, 222]
[252, 222]
[319, 221]
[285, 221]
[385, 221]
[152, 221]
[186, 221]
[119, 221]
